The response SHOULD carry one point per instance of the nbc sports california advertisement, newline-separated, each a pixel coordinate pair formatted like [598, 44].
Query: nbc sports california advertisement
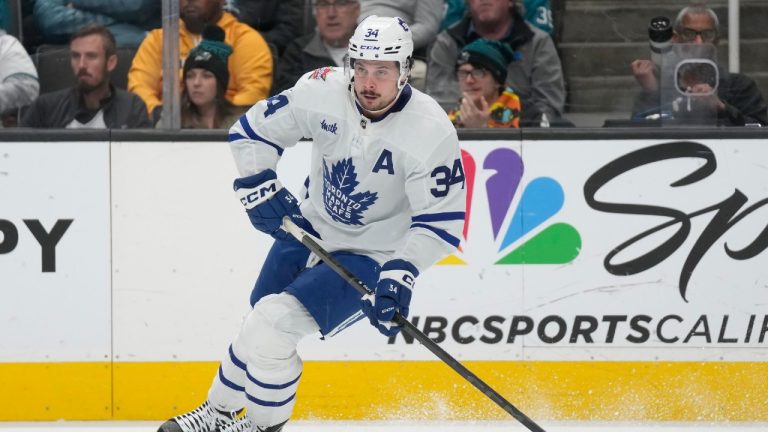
[612, 250]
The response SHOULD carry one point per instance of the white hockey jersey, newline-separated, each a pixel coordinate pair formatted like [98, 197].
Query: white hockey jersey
[391, 188]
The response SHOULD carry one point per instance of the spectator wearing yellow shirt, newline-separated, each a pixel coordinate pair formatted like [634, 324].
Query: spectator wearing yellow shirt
[250, 65]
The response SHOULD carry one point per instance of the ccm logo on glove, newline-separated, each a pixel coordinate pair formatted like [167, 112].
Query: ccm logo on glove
[267, 203]
[251, 197]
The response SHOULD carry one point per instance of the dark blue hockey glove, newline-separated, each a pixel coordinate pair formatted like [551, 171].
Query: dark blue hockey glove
[266, 201]
[393, 294]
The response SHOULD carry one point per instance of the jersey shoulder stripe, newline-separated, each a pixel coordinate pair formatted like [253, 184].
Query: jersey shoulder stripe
[253, 135]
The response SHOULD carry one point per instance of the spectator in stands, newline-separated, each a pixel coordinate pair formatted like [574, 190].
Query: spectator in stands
[535, 73]
[250, 65]
[422, 16]
[93, 102]
[327, 46]
[18, 78]
[535, 12]
[486, 102]
[738, 100]
[279, 21]
[205, 79]
[128, 20]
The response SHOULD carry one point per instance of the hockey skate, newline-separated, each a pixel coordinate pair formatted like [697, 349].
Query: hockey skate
[206, 418]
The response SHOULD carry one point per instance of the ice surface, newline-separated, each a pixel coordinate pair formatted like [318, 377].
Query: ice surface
[381, 426]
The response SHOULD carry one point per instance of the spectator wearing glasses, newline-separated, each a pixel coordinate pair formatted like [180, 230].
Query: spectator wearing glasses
[534, 72]
[738, 100]
[486, 101]
[326, 46]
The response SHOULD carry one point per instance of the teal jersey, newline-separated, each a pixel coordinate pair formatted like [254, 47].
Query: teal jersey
[539, 14]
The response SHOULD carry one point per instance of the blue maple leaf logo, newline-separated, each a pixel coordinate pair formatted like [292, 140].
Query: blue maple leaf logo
[341, 201]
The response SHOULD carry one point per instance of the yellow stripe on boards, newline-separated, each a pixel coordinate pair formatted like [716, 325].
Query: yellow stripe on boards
[648, 391]
[145, 391]
[53, 391]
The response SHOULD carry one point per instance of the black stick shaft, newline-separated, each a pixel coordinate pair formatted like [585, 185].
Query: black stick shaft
[412, 330]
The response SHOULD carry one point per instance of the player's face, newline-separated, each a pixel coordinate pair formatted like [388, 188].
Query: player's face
[489, 11]
[336, 20]
[376, 83]
[477, 83]
[89, 61]
[201, 87]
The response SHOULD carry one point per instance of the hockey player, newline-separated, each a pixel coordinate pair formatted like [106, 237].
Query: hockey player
[386, 196]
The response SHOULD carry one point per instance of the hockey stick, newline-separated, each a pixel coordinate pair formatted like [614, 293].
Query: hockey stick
[409, 328]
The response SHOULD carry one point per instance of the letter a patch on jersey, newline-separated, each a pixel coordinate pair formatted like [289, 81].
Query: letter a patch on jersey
[341, 201]
[384, 163]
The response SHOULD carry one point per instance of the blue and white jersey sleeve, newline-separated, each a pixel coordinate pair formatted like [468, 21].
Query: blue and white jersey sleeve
[436, 190]
[260, 136]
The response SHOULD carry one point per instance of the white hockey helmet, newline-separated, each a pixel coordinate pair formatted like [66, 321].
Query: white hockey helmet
[383, 39]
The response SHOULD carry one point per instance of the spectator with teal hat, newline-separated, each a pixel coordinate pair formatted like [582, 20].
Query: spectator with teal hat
[485, 101]
[535, 71]
[205, 79]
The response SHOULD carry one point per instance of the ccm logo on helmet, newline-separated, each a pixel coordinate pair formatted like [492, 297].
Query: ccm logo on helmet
[369, 47]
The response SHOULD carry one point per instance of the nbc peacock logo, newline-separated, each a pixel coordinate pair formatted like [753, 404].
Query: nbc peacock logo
[521, 224]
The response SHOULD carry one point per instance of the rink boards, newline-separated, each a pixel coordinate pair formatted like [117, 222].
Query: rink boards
[614, 279]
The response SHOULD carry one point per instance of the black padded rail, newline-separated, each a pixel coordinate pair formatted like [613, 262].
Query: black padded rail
[53, 135]
[575, 134]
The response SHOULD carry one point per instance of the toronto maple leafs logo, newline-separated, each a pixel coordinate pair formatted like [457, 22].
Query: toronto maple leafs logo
[339, 196]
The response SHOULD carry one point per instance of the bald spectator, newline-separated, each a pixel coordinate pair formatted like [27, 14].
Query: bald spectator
[250, 65]
[18, 78]
[534, 73]
[93, 103]
[327, 46]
